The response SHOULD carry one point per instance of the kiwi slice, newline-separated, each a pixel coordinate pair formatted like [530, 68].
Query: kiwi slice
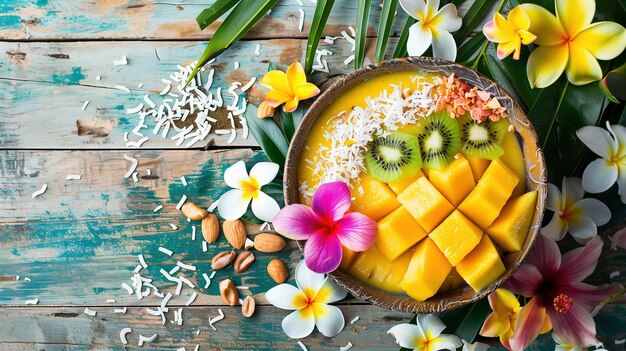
[483, 139]
[440, 139]
[394, 157]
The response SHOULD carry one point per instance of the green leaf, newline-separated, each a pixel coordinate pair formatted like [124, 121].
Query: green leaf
[516, 72]
[289, 127]
[362, 18]
[472, 322]
[384, 27]
[404, 36]
[614, 84]
[474, 15]
[322, 10]
[470, 48]
[268, 135]
[235, 26]
[209, 15]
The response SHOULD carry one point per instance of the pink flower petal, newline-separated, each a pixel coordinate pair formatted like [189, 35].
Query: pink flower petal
[619, 239]
[322, 252]
[356, 231]
[546, 256]
[529, 323]
[579, 263]
[297, 222]
[590, 296]
[331, 201]
[575, 327]
[526, 281]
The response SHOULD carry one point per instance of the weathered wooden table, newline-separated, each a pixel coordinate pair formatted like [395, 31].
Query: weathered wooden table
[73, 246]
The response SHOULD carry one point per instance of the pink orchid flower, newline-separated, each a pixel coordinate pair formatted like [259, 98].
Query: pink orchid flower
[326, 226]
[554, 283]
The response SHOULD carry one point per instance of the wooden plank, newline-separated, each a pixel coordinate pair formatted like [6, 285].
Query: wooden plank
[51, 81]
[146, 19]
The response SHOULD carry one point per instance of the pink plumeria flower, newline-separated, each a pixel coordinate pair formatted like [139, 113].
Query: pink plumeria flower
[326, 226]
[309, 303]
[554, 284]
[619, 239]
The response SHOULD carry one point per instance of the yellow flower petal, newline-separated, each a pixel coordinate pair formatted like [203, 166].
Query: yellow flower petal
[575, 15]
[306, 91]
[291, 105]
[276, 80]
[505, 49]
[582, 68]
[519, 19]
[499, 30]
[495, 325]
[526, 37]
[605, 40]
[544, 24]
[275, 98]
[503, 301]
[546, 64]
[295, 76]
[547, 326]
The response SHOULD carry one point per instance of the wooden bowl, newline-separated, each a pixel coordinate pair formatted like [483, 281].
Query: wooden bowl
[533, 156]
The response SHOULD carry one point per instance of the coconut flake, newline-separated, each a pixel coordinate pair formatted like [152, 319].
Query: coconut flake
[193, 232]
[186, 266]
[347, 347]
[183, 180]
[302, 346]
[207, 280]
[85, 105]
[191, 299]
[31, 302]
[248, 85]
[89, 312]
[135, 179]
[181, 202]
[257, 50]
[174, 226]
[98, 78]
[158, 208]
[620, 341]
[248, 244]
[213, 206]
[121, 62]
[40, 191]
[614, 274]
[110, 300]
[137, 143]
[26, 279]
[216, 319]
[120, 310]
[127, 288]
[143, 339]
[165, 251]
[122, 87]
[354, 320]
[204, 246]
[301, 23]
[123, 333]
[73, 177]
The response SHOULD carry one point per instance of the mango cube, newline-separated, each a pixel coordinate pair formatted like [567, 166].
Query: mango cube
[514, 159]
[397, 232]
[426, 272]
[373, 268]
[373, 198]
[482, 266]
[510, 229]
[399, 186]
[455, 182]
[484, 203]
[425, 203]
[347, 257]
[452, 281]
[456, 237]
[478, 166]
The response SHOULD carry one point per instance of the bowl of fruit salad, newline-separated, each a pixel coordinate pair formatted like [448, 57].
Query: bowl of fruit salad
[445, 162]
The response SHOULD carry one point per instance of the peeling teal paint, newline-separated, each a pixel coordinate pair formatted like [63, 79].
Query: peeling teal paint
[15, 252]
[73, 78]
[8, 21]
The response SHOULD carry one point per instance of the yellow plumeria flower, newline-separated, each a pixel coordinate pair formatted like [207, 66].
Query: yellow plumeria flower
[288, 88]
[510, 33]
[425, 335]
[570, 42]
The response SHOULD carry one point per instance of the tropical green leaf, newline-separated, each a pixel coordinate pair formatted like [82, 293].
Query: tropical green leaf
[322, 10]
[210, 14]
[470, 48]
[287, 122]
[474, 15]
[269, 136]
[384, 27]
[516, 72]
[362, 18]
[614, 84]
[472, 322]
[235, 26]
[404, 37]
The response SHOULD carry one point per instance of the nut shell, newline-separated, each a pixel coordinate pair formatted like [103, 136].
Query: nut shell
[210, 228]
[229, 292]
[222, 259]
[277, 269]
[235, 232]
[193, 212]
[243, 261]
[267, 242]
[248, 306]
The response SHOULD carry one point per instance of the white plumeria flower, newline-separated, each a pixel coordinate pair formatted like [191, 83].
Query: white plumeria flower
[309, 303]
[572, 213]
[234, 203]
[477, 346]
[433, 26]
[562, 345]
[610, 145]
[425, 335]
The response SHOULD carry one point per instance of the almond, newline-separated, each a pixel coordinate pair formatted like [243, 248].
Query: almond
[265, 110]
[267, 242]
[243, 261]
[229, 292]
[210, 228]
[277, 270]
[248, 306]
[235, 233]
[222, 259]
[193, 212]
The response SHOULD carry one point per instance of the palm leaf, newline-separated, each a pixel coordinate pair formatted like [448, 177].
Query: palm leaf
[404, 37]
[384, 27]
[322, 10]
[468, 51]
[245, 15]
[362, 18]
[209, 15]
[268, 135]
[474, 15]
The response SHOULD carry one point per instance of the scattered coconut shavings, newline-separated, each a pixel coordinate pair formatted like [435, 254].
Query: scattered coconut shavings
[248, 244]
[354, 320]
[183, 180]
[135, 109]
[174, 226]
[73, 177]
[193, 232]
[207, 280]
[620, 341]
[123, 333]
[181, 202]
[40, 191]
[137, 143]
[98, 78]
[178, 316]
[181, 349]
[143, 339]
[191, 299]
[139, 85]
[216, 319]
[204, 246]
[186, 266]
[348, 60]
[242, 287]
[302, 346]
[26, 279]
[152, 312]
[142, 261]
[301, 23]
[164, 302]
[121, 62]
[321, 65]
[248, 85]
[196, 348]
[127, 288]
[89, 312]
[31, 302]
[138, 268]
[165, 251]
[133, 165]
[134, 176]
[257, 50]
[85, 105]
[300, 2]
[213, 206]
[212, 274]
[121, 87]
[236, 64]
[110, 300]
[187, 282]
[347, 347]
[125, 136]
[174, 270]
[158, 208]
[614, 274]
[120, 310]
[17, 277]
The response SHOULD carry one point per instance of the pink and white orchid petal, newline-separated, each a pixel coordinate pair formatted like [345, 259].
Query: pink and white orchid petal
[415, 9]
[553, 201]
[308, 280]
[529, 323]
[582, 67]
[444, 46]
[576, 326]
[556, 228]
[329, 292]
[594, 209]
[545, 25]
[407, 335]
[575, 15]
[605, 40]
[328, 319]
[430, 324]
[331, 201]
[447, 19]
[419, 39]
[299, 324]
[582, 228]
[445, 342]
[572, 191]
[297, 222]
[545, 256]
[264, 207]
[598, 140]
[264, 172]
[579, 263]
[546, 64]
[599, 176]
[235, 175]
[526, 281]
[322, 252]
[233, 204]
[619, 239]
[590, 296]
[286, 297]
[356, 231]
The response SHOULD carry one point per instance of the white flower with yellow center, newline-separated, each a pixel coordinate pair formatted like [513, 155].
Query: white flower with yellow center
[433, 26]
[425, 335]
[247, 188]
[309, 303]
[610, 145]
